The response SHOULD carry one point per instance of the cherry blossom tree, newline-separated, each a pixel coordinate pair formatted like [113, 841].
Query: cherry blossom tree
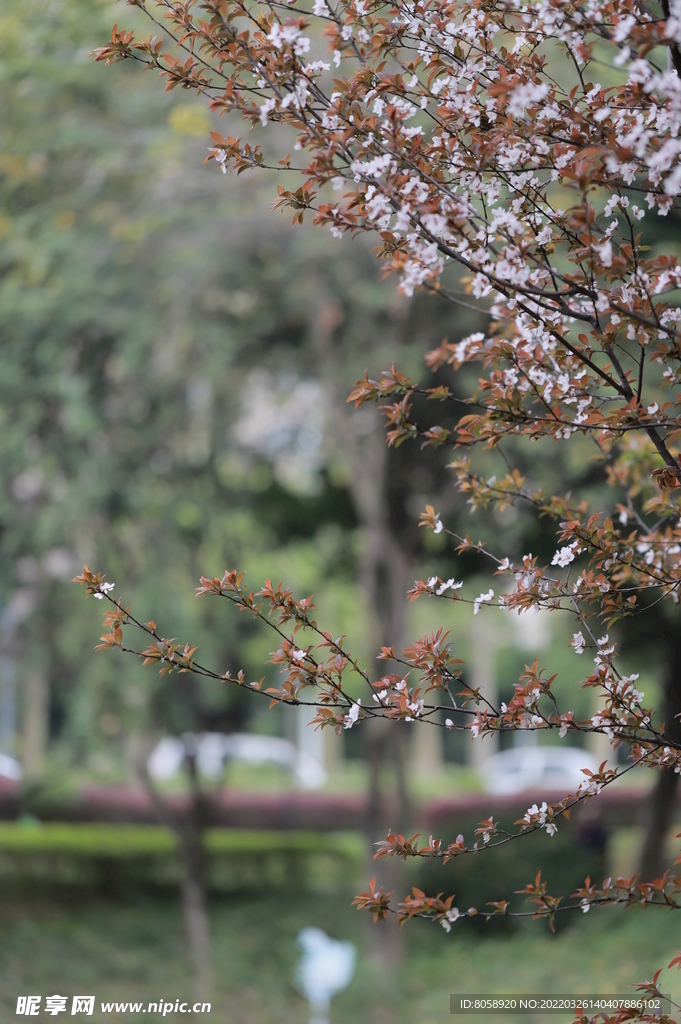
[473, 140]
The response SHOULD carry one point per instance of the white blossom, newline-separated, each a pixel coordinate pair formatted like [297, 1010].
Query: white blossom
[604, 252]
[524, 95]
[352, 715]
[266, 108]
[578, 642]
[479, 600]
[535, 815]
[289, 35]
[450, 584]
[452, 915]
[564, 556]
[415, 707]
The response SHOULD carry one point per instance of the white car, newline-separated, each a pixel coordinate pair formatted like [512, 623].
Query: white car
[214, 749]
[551, 769]
[10, 768]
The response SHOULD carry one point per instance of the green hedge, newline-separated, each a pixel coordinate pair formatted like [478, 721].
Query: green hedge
[114, 857]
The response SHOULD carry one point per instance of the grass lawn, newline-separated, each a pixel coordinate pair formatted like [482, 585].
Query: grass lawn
[135, 951]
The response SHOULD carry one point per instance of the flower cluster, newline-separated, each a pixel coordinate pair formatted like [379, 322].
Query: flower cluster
[449, 133]
[540, 816]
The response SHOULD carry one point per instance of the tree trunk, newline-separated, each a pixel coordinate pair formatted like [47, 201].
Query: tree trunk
[653, 861]
[383, 577]
[383, 573]
[190, 836]
[188, 831]
[660, 818]
[36, 721]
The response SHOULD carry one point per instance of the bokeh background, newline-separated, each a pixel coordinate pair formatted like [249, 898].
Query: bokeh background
[174, 366]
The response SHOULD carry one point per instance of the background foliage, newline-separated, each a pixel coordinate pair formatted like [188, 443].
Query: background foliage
[151, 316]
